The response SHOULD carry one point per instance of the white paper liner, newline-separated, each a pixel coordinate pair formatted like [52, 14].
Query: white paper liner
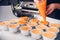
[35, 36]
[25, 32]
[3, 28]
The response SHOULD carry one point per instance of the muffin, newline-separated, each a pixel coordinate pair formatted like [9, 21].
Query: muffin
[34, 20]
[49, 36]
[43, 27]
[53, 29]
[13, 27]
[24, 18]
[54, 25]
[13, 20]
[21, 23]
[24, 30]
[36, 33]
[3, 25]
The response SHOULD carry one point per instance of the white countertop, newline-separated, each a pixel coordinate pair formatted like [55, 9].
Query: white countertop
[5, 35]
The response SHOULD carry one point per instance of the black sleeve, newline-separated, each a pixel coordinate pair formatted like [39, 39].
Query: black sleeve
[4, 2]
[56, 13]
[52, 1]
[57, 1]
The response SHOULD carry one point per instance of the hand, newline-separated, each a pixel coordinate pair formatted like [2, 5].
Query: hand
[51, 8]
[38, 1]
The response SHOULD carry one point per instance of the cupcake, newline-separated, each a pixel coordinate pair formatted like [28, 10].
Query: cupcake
[3, 25]
[22, 23]
[34, 20]
[53, 29]
[54, 25]
[43, 27]
[13, 27]
[36, 33]
[48, 36]
[24, 30]
[24, 18]
[13, 20]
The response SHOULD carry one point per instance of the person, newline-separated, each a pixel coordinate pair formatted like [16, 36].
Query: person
[53, 8]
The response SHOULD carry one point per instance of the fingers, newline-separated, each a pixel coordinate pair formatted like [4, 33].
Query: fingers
[38, 0]
[50, 9]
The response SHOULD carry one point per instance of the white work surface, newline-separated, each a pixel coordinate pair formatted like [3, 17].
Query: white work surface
[6, 14]
[5, 35]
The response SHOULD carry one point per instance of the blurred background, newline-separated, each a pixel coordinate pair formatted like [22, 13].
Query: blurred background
[8, 2]
[6, 10]
[5, 2]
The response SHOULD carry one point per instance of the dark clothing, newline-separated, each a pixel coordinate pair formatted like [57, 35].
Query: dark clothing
[5, 2]
[56, 13]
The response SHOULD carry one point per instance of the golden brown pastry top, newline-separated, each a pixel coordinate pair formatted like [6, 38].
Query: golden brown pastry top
[24, 18]
[49, 35]
[36, 31]
[54, 25]
[13, 20]
[42, 26]
[25, 28]
[34, 20]
[13, 25]
[53, 29]
[22, 22]
[4, 23]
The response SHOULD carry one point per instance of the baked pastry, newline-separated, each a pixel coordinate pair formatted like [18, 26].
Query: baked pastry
[36, 33]
[24, 30]
[49, 36]
[13, 27]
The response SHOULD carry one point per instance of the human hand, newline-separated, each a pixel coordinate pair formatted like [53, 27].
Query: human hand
[50, 8]
[38, 1]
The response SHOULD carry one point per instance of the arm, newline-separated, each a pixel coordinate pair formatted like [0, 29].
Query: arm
[58, 6]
